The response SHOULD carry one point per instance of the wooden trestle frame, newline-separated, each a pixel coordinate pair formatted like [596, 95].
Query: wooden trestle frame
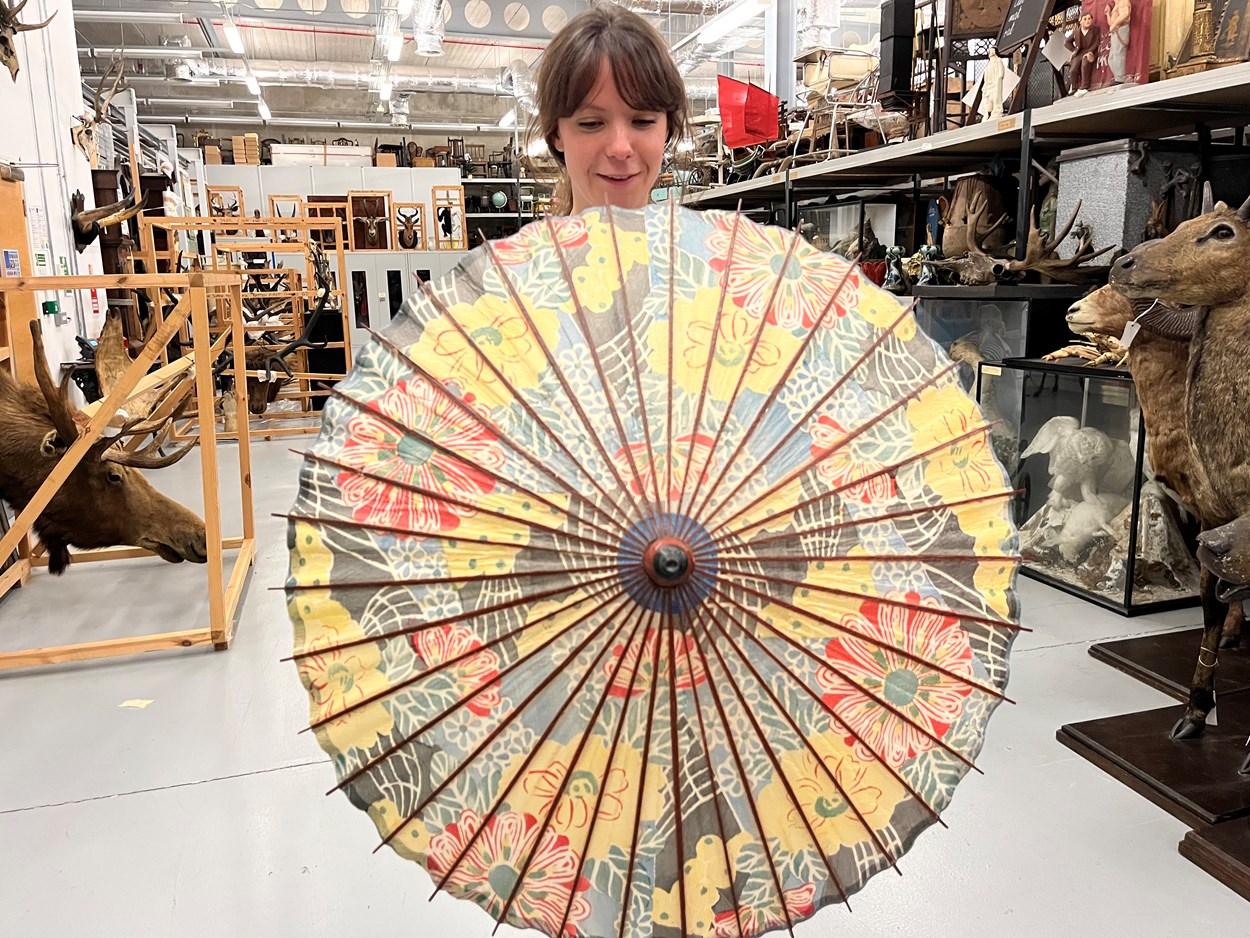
[301, 291]
[224, 597]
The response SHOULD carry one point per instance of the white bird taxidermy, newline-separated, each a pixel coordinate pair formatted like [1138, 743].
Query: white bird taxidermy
[1077, 456]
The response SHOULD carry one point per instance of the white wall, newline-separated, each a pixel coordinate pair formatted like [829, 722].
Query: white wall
[38, 110]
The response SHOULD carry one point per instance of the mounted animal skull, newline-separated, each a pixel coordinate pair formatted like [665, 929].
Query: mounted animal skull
[409, 236]
[105, 501]
[89, 223]
[85, 135]
[10, 26]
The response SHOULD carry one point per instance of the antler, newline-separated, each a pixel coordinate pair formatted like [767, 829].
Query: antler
[57, 398]
[101, 110]
[24, 27]
[1040, 255]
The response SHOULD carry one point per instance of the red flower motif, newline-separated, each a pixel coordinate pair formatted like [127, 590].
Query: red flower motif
[755, 920]
[841, 466]
[803, 287]
[518, 249]
[488, 870]
[377, 447]
[692, 449]
[689, 674]
[445, 642]
[930, 700]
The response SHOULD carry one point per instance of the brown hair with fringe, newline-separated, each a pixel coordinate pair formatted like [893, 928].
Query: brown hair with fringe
[642, 67]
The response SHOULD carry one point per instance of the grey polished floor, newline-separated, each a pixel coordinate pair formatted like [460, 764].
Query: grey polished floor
[204, 814]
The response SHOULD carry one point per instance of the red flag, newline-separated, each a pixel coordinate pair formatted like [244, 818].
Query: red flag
[748, 113]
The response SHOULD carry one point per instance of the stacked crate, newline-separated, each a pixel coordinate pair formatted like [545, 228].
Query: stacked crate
[246, 150]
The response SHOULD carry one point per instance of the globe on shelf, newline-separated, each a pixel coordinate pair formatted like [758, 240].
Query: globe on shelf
[498, 199]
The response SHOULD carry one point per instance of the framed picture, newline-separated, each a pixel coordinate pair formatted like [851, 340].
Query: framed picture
[1232, 39]
[449, 218]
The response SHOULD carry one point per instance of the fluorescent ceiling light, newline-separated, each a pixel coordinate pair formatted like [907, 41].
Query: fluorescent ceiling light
[253, 86]
[724, 23]
[404, 9]
[384, 90]
[233, 37]
[395, 47]
[509, 119]
[263, 108]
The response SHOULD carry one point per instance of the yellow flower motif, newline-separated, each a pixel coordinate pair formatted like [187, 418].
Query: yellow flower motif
[496, 330]
[826, 788]
[598, 280]
[991, 580]
[694, 328]
[882, 309]
[336, 678]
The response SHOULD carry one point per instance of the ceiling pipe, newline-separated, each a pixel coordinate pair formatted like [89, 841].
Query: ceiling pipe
[381, 126]
[142, 52]
[343, 76]
[130, 17]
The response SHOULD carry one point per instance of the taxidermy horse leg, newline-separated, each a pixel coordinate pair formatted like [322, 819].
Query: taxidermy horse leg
[1202, 687]
[1231, 637]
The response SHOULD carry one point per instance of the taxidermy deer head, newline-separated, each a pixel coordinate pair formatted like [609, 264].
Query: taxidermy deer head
[105, 501]
[89, 224]
[408, 234]
[9, 28]
[1198, 264]
[86, 134]
[372, 222]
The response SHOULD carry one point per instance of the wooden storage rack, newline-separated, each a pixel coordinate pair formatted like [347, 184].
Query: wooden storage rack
[225, 596]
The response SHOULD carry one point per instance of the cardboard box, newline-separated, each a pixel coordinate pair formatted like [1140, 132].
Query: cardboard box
[385, 159]
[212, 155]
[423, 161]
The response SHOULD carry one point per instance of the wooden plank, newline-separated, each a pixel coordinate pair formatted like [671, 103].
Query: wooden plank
[112, 281]
[208, 465]
[234, 593]
[244, 424]
[16, 575]
[111, 648]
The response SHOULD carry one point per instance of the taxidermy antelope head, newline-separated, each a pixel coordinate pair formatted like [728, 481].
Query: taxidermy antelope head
[408, 234]
[9, 28]
[287, 235]
[267, 369]
[105, 501]
[373, 223]
[89, 224]
[1201, 263]
[85, 135]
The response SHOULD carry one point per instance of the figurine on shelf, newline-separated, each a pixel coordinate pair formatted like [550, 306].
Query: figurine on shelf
[1118, 13]
[1083, 44]
[929, 274]
[895, 277]
[992, 86]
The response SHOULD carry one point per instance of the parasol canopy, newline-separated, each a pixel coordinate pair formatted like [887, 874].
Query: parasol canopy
[652, 575]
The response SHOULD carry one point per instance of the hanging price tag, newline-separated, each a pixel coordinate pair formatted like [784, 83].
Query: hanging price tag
[1131, 328]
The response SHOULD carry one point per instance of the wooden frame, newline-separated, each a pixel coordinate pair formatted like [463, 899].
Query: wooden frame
[357, 213]
[309, 384]
[275, 210]
[320, 207]
[224, 596]
[220, 193]
[422, 244]
[449, 233]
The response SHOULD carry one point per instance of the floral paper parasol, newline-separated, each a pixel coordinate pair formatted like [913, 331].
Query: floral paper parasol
[652, 575]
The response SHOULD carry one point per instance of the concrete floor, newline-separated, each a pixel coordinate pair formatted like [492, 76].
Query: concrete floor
[204, 813]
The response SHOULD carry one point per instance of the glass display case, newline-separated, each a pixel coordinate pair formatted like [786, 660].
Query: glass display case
[1073, 443]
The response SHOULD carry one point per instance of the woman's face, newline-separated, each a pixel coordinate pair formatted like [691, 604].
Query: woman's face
[612, 153]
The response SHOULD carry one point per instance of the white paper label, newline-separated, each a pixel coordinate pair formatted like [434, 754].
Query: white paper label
[1131, 328]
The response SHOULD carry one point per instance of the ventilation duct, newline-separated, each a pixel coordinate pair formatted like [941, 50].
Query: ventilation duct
[427, 27]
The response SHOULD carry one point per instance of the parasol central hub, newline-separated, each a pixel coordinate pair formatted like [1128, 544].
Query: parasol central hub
[668, 561]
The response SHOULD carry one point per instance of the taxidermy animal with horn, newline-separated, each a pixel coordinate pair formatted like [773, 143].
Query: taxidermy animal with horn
[1158, 365]
[373, 222]
[267, 368]
[1200, 269]
[10, 26]
[408, 233]
[105, 501]
[89, 223]
[85, 135]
